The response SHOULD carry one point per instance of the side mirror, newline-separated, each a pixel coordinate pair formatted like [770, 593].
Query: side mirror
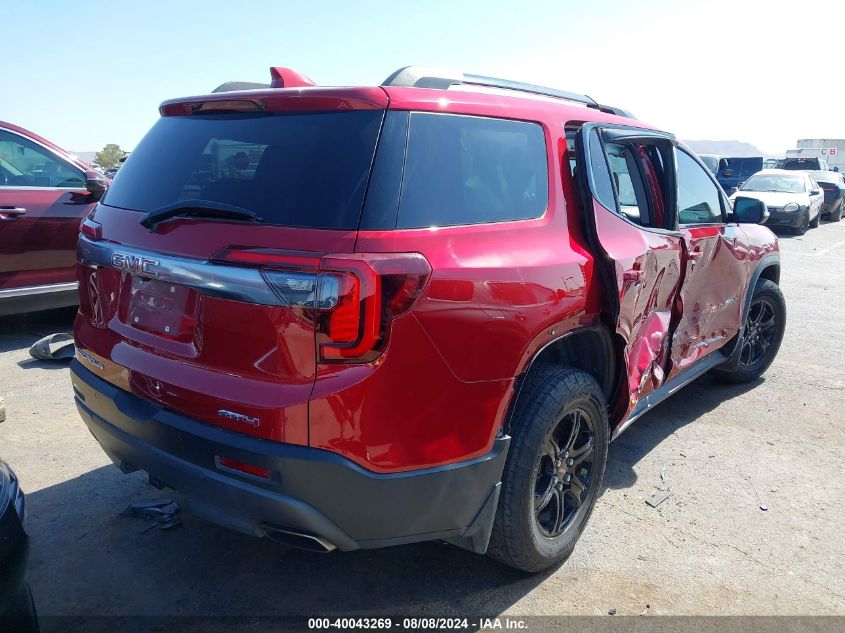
[96, 183]
[815, 192]
[750, 211]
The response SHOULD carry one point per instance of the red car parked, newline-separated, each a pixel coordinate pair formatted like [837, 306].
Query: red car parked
[356, 317]
[44, 194]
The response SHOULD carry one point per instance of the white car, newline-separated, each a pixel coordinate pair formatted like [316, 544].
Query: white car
[794, 199]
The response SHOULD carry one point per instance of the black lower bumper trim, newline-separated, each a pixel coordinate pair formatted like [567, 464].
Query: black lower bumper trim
[309, 490]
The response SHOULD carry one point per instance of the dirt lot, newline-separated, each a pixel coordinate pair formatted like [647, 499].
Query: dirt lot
[709, 549]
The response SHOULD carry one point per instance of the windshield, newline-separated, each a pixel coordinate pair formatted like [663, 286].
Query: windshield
[304, 170]
[825, 176]
[770, 182]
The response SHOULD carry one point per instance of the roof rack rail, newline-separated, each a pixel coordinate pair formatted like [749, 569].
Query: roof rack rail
[439, 78]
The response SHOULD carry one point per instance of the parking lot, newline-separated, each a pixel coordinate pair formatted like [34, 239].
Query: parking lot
[723, 452]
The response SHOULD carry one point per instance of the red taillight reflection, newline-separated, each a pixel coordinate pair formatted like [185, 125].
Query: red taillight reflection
[344, 320]
[249, 469]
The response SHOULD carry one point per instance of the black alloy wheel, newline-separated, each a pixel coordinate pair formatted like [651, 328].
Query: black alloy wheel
[563, 473]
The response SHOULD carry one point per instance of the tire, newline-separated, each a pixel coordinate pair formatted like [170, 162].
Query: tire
[769, 293]
[815, 223]
[551, 401]
[805, 224]
[837, 215]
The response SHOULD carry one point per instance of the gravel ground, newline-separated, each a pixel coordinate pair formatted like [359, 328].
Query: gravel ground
[722, 452]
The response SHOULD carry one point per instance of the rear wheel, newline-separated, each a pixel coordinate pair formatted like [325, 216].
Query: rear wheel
[762, 334]
[554, 469]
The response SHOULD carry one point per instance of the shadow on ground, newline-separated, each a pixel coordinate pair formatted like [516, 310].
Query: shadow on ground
[20, 331]
[87, 560]
[696, 399]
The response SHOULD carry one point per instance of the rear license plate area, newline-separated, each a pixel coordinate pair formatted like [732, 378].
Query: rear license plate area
[164, 309]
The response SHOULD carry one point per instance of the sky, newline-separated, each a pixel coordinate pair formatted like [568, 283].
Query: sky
[89, 73]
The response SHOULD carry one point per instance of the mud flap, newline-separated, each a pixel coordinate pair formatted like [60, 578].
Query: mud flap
[476, 538]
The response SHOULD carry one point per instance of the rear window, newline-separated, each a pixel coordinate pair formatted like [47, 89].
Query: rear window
[469, 170]
[801, 163]
[303, 170]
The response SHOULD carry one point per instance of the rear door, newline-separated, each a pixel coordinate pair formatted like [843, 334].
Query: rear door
[625, 176]
[42, 201]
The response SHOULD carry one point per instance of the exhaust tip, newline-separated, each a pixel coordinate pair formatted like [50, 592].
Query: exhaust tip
[299, 540]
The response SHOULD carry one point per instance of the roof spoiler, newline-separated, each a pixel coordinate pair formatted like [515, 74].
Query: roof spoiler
[280, 77]
[439, 78]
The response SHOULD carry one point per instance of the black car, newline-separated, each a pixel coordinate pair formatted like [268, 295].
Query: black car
[17, 612]
[833, 185]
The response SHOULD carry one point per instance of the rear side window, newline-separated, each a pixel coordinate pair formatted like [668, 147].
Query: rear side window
[304, 170]
[470, 170]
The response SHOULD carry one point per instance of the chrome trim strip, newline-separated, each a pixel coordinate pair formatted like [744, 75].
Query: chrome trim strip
[38, 290]
[216, 280]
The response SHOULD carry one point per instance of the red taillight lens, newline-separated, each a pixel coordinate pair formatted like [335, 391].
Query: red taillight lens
[344, 319]
[91, 229]
[372, 290]
[351, 298]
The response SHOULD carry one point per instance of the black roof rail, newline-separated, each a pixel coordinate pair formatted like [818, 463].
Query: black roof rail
[427, 77]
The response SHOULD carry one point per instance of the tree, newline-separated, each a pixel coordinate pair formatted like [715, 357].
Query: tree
[110, 156]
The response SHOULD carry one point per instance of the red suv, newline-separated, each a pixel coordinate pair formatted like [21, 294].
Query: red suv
[355, 317]
[44, 194]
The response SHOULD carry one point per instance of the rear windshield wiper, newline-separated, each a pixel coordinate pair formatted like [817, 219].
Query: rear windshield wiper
[197, 208]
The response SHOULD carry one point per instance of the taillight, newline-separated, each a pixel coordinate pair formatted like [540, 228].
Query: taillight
[351, 298]
[91, 229]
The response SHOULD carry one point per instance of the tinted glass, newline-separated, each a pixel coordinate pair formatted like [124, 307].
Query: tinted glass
[801, 163]
[628, 182]
[307, 170]
[469, 170]
[699, 201]
[27, 164]
[784, 183]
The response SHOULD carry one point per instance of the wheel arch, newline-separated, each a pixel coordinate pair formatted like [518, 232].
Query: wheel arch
[590, 349]
[767, 268]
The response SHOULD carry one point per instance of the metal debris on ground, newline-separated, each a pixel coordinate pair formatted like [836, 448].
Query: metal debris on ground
[57, 346]
[657, 498]
[163, 514]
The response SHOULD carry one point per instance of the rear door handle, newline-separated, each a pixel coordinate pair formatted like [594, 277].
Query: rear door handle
[10, 213]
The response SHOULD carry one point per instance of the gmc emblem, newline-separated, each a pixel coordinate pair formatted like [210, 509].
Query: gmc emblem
[135, 265]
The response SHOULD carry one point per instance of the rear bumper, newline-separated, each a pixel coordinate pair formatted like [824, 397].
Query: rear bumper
[309, 491]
